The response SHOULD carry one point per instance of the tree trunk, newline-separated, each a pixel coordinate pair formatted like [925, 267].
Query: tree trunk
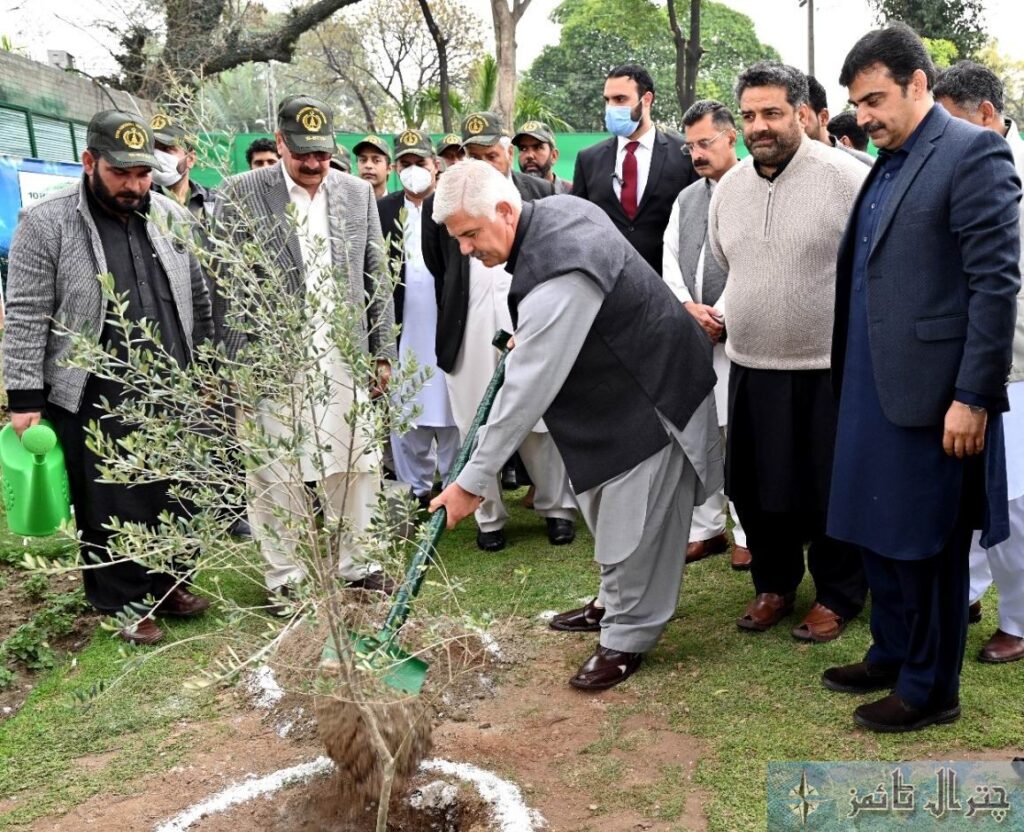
[505, 21]
[680, 44]
[441, 41]
[693, 54]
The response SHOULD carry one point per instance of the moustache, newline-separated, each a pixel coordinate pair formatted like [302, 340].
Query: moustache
[701, 163]
[310, 171]
[874, 127]
[764, 134]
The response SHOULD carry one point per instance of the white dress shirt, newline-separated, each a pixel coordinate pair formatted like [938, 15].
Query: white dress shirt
[643, 155]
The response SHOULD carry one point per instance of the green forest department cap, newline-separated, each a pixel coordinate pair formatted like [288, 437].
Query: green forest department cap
[170, 132]
[538, 130]
[415, 142]
[123, 139]
[374, 141]
[482, 128]
[307, 124]
[449, 140]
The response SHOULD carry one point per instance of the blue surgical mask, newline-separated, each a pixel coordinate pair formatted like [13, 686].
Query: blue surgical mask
[620, 122]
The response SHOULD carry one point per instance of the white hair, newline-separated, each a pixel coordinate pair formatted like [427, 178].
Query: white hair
[474, 187]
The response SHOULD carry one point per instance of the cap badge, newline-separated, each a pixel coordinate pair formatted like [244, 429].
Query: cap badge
[452, 138]
[475, 124]
[409, 138]
[159, 121]
[531, 125]
[311, 118]
[133, 136]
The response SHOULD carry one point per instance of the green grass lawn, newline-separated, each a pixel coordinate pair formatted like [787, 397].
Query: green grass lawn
[748, 698]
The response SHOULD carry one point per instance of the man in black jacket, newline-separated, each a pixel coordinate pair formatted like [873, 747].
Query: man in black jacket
[636, 175]
[470, 310]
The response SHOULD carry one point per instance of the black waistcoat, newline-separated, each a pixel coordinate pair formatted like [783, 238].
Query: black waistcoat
[644, 353]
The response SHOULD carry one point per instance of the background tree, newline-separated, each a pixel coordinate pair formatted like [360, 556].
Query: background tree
[443, 82]
[182, 41]
[569, 76]
[386, 48]
[506, 19]
[943, 52]
[1011, 72]
[688, 52]
[959, 21]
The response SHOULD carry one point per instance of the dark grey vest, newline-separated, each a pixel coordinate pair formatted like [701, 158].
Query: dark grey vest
[644, 353]
[694, 201]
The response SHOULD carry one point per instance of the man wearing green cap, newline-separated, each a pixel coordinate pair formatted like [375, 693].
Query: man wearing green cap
[432, 443]
[318, 227]
[373, 161]
[111, 222]
[175, 150]
[449, 149]
[538, 153]
[474, 304]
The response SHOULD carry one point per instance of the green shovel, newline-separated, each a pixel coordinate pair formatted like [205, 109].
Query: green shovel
[396, 668]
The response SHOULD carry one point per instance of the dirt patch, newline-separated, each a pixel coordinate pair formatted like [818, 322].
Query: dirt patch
[515, 717]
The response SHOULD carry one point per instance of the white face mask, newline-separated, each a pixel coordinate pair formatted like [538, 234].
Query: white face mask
[167, 175]
[415, 179]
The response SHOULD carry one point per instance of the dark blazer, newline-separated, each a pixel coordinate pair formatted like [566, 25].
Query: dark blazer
[389, 207]
[451, 271]
[671, 171]
[942, 275]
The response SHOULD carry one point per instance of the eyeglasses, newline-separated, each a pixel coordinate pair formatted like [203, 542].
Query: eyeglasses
[703, 144]
[318, 155]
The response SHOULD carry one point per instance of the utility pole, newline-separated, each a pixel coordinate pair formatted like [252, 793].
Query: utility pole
[810, 34]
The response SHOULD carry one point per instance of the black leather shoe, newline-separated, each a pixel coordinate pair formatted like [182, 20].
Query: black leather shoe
[605, 669]
[894, 716]
[374, 582]
[509, 480]
[974, 613]
[863, 677]
[490, 541]
[583, 620]
[241, 529]
[560, 532]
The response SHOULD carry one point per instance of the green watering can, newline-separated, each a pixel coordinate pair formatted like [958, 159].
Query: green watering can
[398, 669]
[37, 498]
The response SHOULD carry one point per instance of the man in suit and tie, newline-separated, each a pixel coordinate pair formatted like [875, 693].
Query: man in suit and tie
[926, 297]
[636, 175]
[473, 300]
[432, 441]
[318, 226]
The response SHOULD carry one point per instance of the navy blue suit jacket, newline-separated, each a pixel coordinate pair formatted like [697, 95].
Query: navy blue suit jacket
[943, 275]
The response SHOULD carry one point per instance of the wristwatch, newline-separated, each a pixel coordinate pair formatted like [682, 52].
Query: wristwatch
[974, 408]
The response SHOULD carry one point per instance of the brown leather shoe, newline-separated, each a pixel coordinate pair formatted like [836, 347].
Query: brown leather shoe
[374, 582]
[1002, 647]
[700, 549]
[974, 613]
[586, 619]
[142, 632]
[605, 669]
[765, 611]
[820, 625]
[181, 603]
[740, 558]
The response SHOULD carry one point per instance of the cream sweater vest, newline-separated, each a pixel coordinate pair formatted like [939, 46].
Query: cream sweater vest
[778, 241]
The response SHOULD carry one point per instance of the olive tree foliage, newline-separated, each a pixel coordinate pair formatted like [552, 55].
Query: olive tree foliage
[200, 427]
[962, 22]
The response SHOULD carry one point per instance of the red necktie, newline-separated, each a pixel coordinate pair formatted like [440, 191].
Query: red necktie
[628, 194]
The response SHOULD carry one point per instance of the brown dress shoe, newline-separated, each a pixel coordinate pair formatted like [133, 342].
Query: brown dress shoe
[374, 582]
[892, 715]
[605, 669]
[142, 632]
[740, 558]
[1002, 647]
[765, 611]
[181, 603]
[974, 613]
[820, 625]
[700, 549]
[585, 619]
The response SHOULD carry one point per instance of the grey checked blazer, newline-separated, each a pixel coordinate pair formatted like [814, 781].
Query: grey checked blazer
[56, 256]
[357, 246]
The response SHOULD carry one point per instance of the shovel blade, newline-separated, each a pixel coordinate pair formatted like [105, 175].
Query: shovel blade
[393, 666]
